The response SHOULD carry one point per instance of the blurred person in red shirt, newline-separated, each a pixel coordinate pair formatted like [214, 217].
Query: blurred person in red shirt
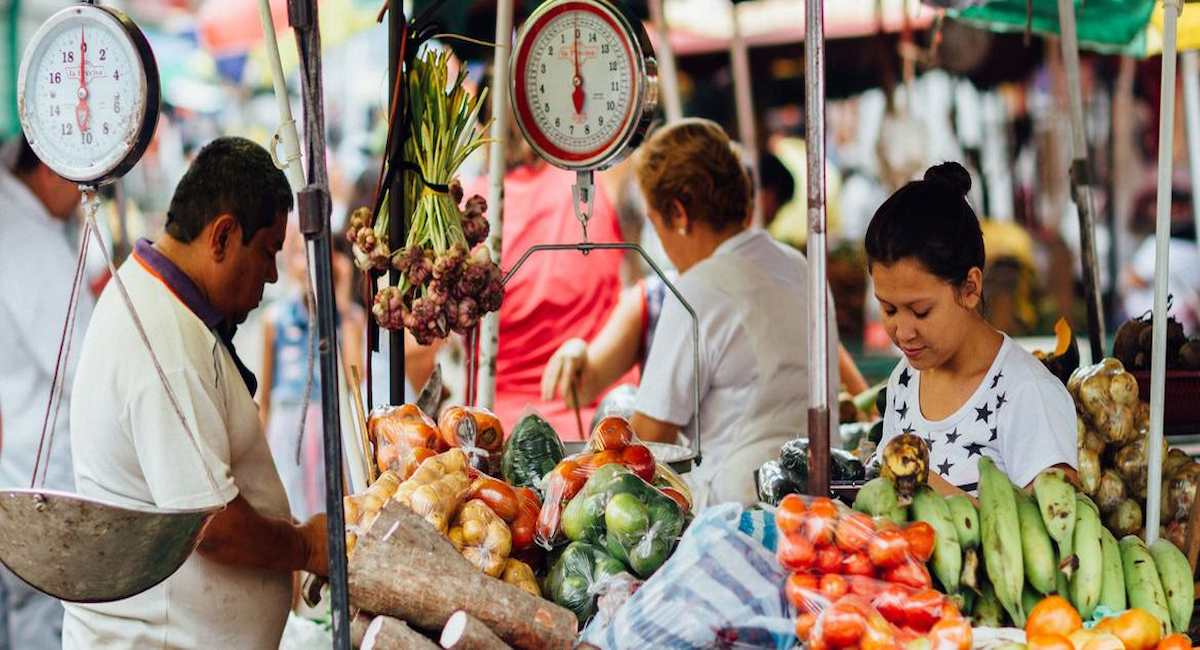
[555, 296]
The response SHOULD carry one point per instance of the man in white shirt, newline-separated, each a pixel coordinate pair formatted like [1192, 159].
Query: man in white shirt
[191, 289]
[37, 256]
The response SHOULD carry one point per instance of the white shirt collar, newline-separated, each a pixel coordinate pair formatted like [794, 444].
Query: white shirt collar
[737, 241]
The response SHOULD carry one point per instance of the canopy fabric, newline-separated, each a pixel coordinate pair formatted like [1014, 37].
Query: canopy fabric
[1109, 26]
[1187, 31]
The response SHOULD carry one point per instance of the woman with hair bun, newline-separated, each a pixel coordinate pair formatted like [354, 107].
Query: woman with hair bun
[965, 387]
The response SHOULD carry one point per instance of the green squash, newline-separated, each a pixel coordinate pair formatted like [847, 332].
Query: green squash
[531, 451]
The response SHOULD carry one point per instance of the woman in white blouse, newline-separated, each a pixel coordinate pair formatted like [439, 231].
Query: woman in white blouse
[749, 293]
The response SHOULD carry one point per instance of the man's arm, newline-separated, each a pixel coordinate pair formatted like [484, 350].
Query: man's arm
[239, 536]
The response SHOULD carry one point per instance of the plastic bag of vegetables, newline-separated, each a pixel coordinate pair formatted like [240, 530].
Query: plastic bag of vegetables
[517, 507]
[437, 488]
[482, 537]
[579, 576]
[612, 443]
[634, 521]
[477, 431]
[531, 451]
[403, 437]
[1108, 396]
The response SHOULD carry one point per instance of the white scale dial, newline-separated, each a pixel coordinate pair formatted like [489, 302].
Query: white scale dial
[84, 94]
[579, 82]
[583, 85]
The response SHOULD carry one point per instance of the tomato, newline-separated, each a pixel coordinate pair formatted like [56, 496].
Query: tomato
[923, 609]
[1136, 628]
[569, 477]
[498, 495]
[611, 432]
[803, 592]
[1175, 642]
[804, 625]
[911, 573]
[854, 531]
[834, 586]
[866, 587]
[790, 515]
[522, 529]
[1053, 615]
[857, 564]
[879, 635]
[600, 459]
[954, 634]
[639, 459]
[891, 602]
[678, 498]
[920, 538]
[822, 518]
[795, 553]
[1103, 641]
[842, 627]
[829, 560]
[888, 549]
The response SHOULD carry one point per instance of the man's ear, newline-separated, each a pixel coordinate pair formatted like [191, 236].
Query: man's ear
[221, 234]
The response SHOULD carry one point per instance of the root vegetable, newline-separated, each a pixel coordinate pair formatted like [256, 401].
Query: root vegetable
[1126, 519]
[387, 633]
[437, 488]
[404, 568]
[1111, 491]
[465, 632]
[484, 538]
[1089, 471]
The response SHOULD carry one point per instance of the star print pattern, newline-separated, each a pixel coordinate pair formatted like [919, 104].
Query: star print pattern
[981, 427]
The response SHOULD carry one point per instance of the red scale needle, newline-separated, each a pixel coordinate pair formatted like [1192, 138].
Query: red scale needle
[82, 114]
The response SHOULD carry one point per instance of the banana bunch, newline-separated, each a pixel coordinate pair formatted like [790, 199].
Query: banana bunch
[999, 559]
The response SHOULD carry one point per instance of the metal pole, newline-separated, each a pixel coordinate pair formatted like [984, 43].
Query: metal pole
[397, 230]
[818, 334]
[1081, 191]
[1162, 238]
[742, 90]
[667, 78]
[489, 334]
[314, 205]
[1191, 113]
[287, 126]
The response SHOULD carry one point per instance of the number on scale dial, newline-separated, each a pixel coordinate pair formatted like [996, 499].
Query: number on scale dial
[584, 83]
[578, 82]
[84, 93]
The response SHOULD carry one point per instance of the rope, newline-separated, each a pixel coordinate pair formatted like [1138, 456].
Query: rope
[141, 330]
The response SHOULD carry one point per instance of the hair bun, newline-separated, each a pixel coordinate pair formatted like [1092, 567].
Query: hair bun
[951, 174]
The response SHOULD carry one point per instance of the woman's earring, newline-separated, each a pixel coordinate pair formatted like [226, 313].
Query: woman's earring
[682, 231]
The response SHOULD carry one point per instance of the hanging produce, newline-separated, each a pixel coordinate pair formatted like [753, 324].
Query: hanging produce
[447, 277]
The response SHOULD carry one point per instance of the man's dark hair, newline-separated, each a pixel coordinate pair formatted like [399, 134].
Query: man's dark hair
[229, 176]
[774, 175]
[26, 161]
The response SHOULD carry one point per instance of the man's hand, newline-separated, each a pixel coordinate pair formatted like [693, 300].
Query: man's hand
[565, 369]
[316, 543]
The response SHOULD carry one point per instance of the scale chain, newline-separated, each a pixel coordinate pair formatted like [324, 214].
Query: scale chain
[583, 195]
[93, 205]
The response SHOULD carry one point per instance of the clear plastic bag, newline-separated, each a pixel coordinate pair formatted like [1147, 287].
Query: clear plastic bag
[518, 507]
[853, 621]
[612, 443]
[482, 537]
[720, 589]
[520, 574]
[1108, 397]
[363, 508]
[634, 521]
[579, 576]
[403, 437]
[478, 432]
[437, 488]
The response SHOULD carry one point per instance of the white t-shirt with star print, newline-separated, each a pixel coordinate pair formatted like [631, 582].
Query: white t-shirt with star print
[1020, 416]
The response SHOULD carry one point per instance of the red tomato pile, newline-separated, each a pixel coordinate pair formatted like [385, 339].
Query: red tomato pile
[856, 582]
